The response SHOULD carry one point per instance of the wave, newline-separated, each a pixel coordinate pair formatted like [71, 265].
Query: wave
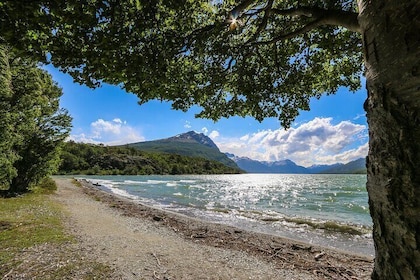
[198, 186]
[103, 183]
[131, 182]
[178, 194]
[188, 181]
[330, 226]
[155, 182]
[124, 193]
[357, 208]
[114, 189]
[298, 222]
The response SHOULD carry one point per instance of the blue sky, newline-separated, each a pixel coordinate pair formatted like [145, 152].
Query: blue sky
[334, 130]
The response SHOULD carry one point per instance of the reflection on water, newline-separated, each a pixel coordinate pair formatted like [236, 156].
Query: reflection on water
[329, 210]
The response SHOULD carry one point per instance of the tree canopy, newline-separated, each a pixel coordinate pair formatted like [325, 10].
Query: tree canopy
[256, 58]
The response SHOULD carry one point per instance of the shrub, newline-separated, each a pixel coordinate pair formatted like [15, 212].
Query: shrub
[47, 185]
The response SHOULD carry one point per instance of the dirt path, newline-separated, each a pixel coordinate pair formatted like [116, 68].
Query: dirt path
[143, 249]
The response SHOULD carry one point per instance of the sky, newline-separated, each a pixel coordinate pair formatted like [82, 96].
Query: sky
[334, 130]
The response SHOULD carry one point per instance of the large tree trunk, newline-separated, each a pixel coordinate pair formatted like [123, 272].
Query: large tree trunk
[19, 185]
[391, 38]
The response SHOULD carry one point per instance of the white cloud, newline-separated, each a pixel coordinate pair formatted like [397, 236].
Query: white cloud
[205, 130]
[118, 120]
[83, 138]
[187, 125]
[115, 132]
[358, 116]
[214, 134]
[102, 126]
[315, 142]
[348, 155]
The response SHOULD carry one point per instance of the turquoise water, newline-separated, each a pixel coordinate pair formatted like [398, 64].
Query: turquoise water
[329, 210]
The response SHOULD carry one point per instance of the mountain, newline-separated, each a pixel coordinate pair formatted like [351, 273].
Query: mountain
[188, 144]
[357, 166]
[251, 166]
[288, 166]
[254, 166]
[194, 137]
[314, 169]
[199, 145]
[90, 159]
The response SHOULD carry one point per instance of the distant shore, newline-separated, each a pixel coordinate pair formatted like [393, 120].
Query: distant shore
[307, 261]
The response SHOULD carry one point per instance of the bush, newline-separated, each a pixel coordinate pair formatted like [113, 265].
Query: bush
[47, 185]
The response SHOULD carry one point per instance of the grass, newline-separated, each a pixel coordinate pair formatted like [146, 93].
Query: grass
[33, 221]
[29, 220]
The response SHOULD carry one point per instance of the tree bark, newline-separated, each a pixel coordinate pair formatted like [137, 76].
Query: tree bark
[391, 38]
[18, 185]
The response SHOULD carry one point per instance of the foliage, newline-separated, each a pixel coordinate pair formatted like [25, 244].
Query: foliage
[256, 58]
[184, 148]
[79, 158]
[33, 126]
[7, 135]
[47, 185]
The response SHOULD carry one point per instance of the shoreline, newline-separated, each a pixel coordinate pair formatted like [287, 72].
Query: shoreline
[347, 237]
[283, 252]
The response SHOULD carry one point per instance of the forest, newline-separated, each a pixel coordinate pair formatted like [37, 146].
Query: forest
[91, 159]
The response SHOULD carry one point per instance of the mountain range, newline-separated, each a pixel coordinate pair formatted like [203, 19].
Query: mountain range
[289, 167]
[199, 145]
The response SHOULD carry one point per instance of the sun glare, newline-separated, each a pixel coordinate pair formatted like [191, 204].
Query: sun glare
[233, 23]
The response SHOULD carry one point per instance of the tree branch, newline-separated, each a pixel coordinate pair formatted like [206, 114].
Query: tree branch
[312, 25]
[320, 17]
[242, 6]
[264, 22]
[229, 64]
[329, 17]
[198, 32]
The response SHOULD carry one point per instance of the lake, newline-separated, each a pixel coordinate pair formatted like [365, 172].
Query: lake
[324, 209]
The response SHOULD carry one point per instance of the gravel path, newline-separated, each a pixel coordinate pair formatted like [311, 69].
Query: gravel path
[144, 249]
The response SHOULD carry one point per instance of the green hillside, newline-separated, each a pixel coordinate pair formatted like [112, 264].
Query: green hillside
[186, 149]
[89, 159]
[187, 144]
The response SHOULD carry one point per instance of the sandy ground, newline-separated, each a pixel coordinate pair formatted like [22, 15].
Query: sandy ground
[140, 242]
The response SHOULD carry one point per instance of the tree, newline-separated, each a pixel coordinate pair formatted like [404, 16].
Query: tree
[7, 135]
[262, 59]
[31, 116]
